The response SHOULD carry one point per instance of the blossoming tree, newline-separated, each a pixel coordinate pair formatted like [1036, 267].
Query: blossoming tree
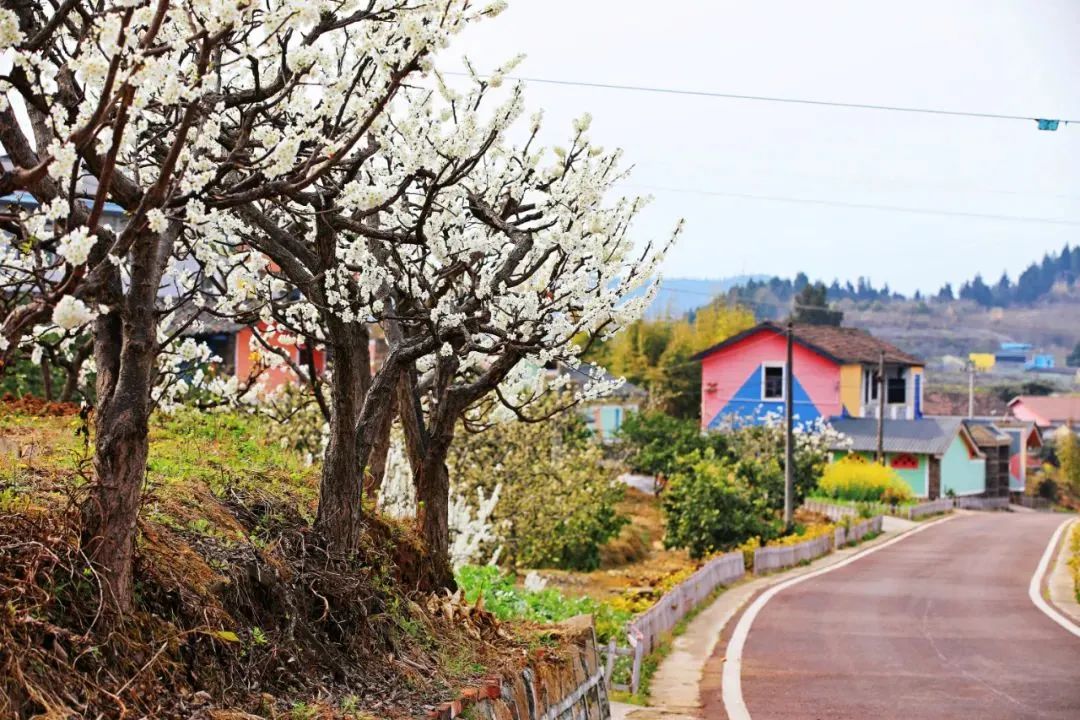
[186, 116]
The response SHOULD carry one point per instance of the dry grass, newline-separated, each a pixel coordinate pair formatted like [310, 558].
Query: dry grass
[635, 561]
[236, 608]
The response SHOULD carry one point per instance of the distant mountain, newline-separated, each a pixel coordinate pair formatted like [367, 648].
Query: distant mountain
[678, 296]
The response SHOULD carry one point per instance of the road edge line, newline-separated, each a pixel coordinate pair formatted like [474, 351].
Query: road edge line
[731, 677]
[1036, 584]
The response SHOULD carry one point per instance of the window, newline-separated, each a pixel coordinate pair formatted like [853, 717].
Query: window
[897, 391]
[304, 356]
[904, 461]
[870, 386]
[772, 384]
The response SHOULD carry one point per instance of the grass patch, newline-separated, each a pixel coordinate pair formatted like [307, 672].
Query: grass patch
[234, 601]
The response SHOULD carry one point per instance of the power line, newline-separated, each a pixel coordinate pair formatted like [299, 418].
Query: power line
[769, 98]
[862, 206]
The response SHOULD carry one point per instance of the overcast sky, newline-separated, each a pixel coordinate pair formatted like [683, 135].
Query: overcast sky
[1015, 57]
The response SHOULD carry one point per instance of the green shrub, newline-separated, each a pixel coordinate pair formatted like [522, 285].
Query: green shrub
[652, 442]
[508, 601]
[853, 478]
[712, 505]
[557, 504]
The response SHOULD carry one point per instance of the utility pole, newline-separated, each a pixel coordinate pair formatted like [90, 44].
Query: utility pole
[971, 388]
[881, 409]
[789, 428]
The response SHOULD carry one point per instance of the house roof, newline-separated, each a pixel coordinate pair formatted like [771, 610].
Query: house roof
[586, 372]
[1055, 408]
[986, 435]
[839, 344]
[926, 436]
[199, 321]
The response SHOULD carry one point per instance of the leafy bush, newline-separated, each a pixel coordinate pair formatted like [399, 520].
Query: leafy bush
[507, 601]
[855, 479]
[653, 442]
[557, 499]
[764, 443]
[712, 506]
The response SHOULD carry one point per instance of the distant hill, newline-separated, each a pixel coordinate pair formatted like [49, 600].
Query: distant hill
[678, 296]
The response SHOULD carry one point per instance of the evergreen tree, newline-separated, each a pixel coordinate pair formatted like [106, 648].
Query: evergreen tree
[812, 308]
[1074, 357]
[978, 291]
[945, 294]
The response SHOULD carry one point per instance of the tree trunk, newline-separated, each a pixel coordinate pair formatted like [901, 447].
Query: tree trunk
[339, 520]
[46, 378]
[124, 353]
[380, 451]
[125, 348]
[432, 513]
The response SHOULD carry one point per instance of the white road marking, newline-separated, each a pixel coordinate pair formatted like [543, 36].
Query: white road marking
[731, 680]
[1035, 588]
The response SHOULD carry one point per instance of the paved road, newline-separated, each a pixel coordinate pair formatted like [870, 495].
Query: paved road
[938, 625]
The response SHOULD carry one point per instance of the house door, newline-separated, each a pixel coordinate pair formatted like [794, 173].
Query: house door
[933, 489]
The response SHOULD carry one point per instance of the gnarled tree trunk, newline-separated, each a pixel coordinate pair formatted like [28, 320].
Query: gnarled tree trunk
[125, 347]
[339, 520]
[432, 497]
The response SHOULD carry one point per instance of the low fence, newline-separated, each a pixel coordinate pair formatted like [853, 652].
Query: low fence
[833, 512]
[983, 503]
[1031, 501]
[767, 559]
[563, 685]
[914, 512]
[845, 536]
[645, 630]
[910, 512]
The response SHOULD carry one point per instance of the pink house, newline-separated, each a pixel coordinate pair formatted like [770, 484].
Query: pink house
[1047, 411]
[835, 375]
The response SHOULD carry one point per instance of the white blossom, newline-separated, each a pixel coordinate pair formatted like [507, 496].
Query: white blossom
[70, 313]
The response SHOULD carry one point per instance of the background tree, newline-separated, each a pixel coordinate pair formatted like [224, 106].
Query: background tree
[655, 354]
[1074, 357]
[1067, 448]
[812, 307]
[556, 495]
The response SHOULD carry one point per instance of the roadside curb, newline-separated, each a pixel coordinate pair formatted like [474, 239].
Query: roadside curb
[1054, 577]
[676, 685]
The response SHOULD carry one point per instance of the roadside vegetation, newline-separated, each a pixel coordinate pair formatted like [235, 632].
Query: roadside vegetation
[1074, 559]
[233, 600]
[854, 479]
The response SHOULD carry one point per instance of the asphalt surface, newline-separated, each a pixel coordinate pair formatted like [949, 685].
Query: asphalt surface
[938, 625]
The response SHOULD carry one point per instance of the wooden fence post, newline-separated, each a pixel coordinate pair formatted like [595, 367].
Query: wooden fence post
[635, 675]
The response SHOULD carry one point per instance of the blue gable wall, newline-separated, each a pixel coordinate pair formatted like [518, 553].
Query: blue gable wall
[747, 405]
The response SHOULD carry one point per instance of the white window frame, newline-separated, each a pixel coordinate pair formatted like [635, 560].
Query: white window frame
[783, 381]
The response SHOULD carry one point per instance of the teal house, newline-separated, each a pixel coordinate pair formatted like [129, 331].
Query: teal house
[932, 455]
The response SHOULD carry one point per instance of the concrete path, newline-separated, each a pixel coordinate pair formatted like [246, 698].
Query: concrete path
[676, 685]
[938, 625]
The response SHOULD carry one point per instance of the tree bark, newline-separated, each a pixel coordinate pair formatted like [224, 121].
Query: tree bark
[339, 520]
[380, 451]
[124, 351]
[432, 500]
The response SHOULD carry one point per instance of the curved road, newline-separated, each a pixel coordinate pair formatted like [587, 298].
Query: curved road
[938, 625]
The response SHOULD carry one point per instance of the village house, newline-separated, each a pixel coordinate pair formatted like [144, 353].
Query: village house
[934, 456]
[836, 377]
[1047, 411]
[836, 374]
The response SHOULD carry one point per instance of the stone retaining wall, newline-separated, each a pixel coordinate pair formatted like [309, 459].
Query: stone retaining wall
[566, 683]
